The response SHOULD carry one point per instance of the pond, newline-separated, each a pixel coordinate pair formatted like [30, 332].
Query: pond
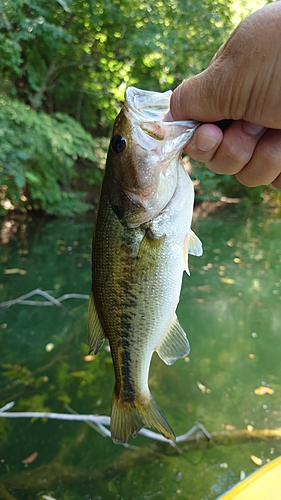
[230, 308]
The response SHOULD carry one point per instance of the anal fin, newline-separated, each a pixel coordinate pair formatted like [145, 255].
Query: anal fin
[174, 345]
[96, 336]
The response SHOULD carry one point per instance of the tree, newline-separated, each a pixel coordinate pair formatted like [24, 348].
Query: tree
[76, 59]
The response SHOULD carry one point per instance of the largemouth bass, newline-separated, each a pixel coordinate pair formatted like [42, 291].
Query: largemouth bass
[140, 249]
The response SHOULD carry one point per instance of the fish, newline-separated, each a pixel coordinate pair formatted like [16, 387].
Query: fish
[141, 243]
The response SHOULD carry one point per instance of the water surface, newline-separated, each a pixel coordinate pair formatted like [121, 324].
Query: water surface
[231, 310]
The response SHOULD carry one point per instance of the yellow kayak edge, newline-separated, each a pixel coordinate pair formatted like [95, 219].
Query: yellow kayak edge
[260, 485]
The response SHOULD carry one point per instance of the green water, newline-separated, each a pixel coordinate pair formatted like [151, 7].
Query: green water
[231, 310]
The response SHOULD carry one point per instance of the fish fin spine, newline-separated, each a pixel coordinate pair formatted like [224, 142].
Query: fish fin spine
[96, 335]
[193, 246]
[174, 344]
[128, 418]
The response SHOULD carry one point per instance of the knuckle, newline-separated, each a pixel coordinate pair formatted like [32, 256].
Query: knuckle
[240, 150]
[271, 153]
[247, 180]
[220, 165]
[270, 146]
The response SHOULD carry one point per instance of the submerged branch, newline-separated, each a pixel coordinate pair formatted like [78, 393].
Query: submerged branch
[98, 422]
[51, 301]
[46, 477]
[97, 427]
[4, 494]
[196, 435]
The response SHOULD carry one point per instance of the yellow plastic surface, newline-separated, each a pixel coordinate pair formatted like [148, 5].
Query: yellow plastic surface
[264, 484]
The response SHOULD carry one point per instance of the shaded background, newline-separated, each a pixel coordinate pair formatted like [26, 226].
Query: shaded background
[64, 69]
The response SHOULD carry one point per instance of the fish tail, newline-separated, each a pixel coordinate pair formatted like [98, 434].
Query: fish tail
[129, 417]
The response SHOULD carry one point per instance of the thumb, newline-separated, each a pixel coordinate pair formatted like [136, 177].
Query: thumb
[199, 97]
[243, 79]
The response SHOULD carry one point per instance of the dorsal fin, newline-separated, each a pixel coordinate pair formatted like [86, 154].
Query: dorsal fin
[174, 344]
[96, 336]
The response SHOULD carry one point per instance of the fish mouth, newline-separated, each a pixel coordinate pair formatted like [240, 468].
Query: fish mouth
[152, 133]
[149, 110]
[157, 146]
[149, 106]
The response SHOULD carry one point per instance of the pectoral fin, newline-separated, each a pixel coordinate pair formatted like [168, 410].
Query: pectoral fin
[96, 336]
[148, 254]
[193, 246]
[174, 345]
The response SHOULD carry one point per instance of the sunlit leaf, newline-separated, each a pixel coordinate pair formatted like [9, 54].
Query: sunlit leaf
[263, 390]
[15, 270]
[250, 428]
[32, 177]
[89, 357]
[223, 465]
[31, 458]
[256, 460]
[229, 427]
[203, 388]
[49, 347]
[228, 281]
[242, 475]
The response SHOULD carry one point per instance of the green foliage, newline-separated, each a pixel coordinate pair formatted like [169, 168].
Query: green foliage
[37, 157]
[67, 58]
[78, 57]
[210, 186]
[5, 427]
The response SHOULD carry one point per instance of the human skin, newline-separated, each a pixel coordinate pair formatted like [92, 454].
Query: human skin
[242, 84]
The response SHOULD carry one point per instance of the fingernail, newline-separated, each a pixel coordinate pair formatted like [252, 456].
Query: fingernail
[252, 128]
[206, 142]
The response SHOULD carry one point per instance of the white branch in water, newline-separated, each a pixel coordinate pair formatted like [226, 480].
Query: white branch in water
[51, 301]
[100, 421]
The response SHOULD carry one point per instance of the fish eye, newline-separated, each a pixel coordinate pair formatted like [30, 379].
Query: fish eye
[118, 143]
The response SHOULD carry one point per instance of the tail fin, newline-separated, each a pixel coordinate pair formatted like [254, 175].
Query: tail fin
[129, 417]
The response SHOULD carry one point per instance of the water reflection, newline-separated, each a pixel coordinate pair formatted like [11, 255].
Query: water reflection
[230, 308]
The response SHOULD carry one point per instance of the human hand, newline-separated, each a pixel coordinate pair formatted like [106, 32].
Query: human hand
[241, 84]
